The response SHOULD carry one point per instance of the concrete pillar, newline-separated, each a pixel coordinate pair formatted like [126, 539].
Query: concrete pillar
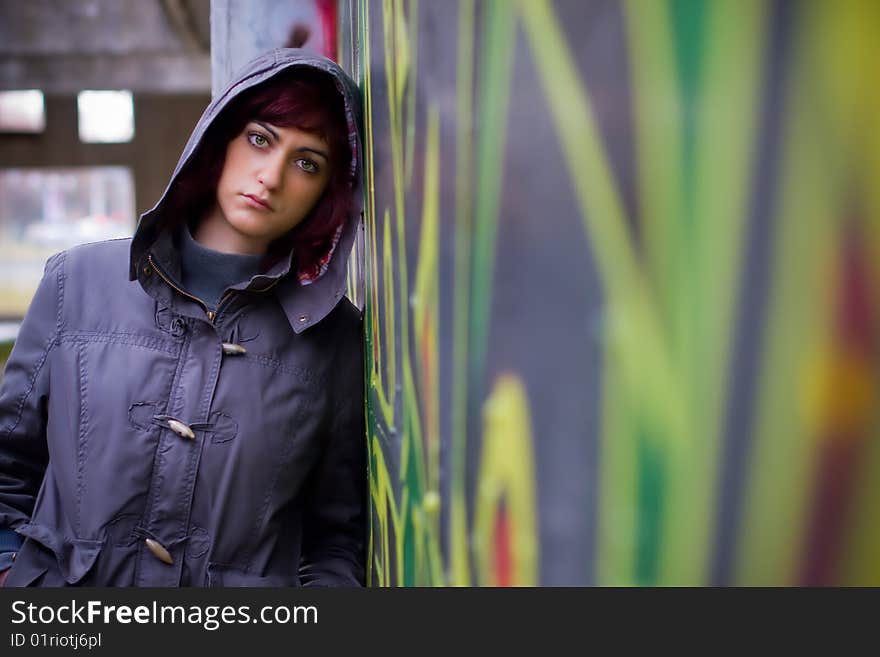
[241, 29]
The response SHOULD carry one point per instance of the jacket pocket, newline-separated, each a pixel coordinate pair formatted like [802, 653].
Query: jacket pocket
[229, 576]
[74, 557]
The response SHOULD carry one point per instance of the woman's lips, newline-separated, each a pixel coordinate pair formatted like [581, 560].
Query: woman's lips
[256, 202]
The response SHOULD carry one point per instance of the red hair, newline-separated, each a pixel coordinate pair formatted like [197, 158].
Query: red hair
[304, 99]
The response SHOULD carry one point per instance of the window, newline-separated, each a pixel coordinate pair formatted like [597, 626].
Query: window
[22, 111]
[105, 116]
[43, 211]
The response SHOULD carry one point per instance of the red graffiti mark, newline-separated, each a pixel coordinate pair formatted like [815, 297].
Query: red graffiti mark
[846, 414]
[503, 557]
[328, 18]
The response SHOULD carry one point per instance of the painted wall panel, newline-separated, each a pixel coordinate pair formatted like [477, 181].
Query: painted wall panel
[621, 290]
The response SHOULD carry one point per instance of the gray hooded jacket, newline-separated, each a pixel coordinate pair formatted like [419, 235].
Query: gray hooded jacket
[145, 442]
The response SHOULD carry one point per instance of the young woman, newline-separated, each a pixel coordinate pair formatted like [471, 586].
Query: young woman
[185, 408]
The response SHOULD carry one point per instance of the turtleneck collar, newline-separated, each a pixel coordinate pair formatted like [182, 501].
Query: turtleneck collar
[206, 273]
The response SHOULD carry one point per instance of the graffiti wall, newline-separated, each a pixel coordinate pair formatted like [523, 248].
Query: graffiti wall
[621, 290]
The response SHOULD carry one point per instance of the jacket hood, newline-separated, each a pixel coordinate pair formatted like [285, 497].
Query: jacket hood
[306, 299]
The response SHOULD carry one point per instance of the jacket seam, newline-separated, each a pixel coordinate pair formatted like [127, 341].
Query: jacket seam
[49, 344]
[83, 433]
[157, 475]
[186, 501]
[64, 536]
[305, 375]
[143, 342]
[59, 317]
[148, 501]
[27, 393]
[124, 334]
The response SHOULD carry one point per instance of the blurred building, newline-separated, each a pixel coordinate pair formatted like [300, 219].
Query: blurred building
[76, 165]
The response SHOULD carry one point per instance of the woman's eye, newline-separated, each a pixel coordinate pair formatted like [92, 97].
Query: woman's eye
[307, 165]
[258, 140]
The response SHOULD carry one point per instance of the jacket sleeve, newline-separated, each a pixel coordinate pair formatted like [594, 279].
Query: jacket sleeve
[24, 395]
[334, 523]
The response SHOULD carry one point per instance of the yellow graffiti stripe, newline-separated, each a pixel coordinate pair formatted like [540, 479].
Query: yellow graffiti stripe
[458, 532]
[458, 541]
[381, 491]
[425, 299]
[507, 475]
[617, 517]
[414, 526]
[425, 318]
[860, 566]
[396, 69]
[637, 344]
[385, 507]
[412, 23]
[778, 490]
[383, 389]
[660, 184]
[632, 312]
[726, 124]
[658, 129]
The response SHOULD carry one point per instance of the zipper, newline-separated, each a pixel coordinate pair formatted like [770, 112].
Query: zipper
[230, 293]
[211, 315]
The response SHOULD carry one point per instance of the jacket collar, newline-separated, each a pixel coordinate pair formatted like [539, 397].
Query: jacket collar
[305, 300]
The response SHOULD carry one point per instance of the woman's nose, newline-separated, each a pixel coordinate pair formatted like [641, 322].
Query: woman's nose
[270, 174]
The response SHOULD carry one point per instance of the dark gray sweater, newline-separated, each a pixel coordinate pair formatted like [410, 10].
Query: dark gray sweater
[207, 273]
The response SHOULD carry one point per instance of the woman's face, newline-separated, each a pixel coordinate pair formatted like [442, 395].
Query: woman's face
[271, 179]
